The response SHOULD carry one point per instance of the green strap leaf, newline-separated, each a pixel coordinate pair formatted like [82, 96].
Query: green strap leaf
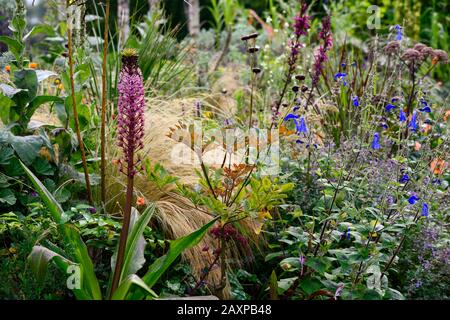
[156, 270]
[124, 288]
[136, 244]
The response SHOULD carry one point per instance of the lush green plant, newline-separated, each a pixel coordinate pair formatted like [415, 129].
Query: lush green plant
[75, 253]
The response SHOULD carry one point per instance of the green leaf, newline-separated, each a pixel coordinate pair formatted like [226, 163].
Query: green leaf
[37, 102]
[54, 207]
[285, 284]
[7, 196]
[124, 288]
[39, 259]
[5, 105]
[40, 28]
[9, 91]
[156, 270]
[134, 252]
[27, 79]
[14, 46]
[319, 264]
[273, 286]
[43, 167]
[27, 148]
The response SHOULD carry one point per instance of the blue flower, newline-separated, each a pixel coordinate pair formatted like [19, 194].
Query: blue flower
[376, 141]
[404, 178]
[343, 65]
[302, 126]
[394, 100]
[425, 210]
[413, 199]
[413, 122]
[399, 32]
[355, 101]
[290, 116]
[425, 106]
[298, 141]
[340, 75]
[389, 107]
[402, 116]
[346, 234]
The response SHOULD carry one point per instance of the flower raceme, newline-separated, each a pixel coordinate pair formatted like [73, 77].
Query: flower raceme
[131, 112]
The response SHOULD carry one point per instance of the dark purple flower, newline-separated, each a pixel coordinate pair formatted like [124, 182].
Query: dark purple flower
[321, 55]
[92, 210]
[131, 112]
[302, 22]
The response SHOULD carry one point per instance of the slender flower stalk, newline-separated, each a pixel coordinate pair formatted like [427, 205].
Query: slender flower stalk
[104, 93]
[321, 57]
[130, 139]
[74, 106]
[301, 26]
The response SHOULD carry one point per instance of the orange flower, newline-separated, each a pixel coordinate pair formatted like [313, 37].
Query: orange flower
[140, 201]
[434, 60]
[417, 146]
[446, 115]
[33, 65]
[8, 68]
[438, 166]
[286, 132]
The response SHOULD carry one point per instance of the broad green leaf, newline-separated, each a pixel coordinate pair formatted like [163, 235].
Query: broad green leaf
[38, 101]
[124, 288]
[14, 46]
[318, 264]
[134, 252]
[27, 79]
[5, 105]
[7, 196]
[39, 258]
[40, 28]
[27, 148]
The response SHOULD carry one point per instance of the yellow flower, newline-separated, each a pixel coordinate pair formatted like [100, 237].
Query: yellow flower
[61, 86]
[208, 114]
[12, 250]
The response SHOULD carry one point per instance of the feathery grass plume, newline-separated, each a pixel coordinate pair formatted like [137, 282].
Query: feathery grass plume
[130, 139]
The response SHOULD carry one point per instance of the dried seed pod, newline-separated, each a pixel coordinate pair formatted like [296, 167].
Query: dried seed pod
[253, 49]
[304, 88]
[295, 89]
[300, 77]
[256, 70]
[249, 36]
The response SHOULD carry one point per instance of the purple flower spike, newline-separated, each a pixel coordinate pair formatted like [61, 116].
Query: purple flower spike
[302, 22]
[321, 55]
[131, 112]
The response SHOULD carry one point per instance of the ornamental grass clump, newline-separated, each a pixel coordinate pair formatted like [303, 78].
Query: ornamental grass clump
[130, 138]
